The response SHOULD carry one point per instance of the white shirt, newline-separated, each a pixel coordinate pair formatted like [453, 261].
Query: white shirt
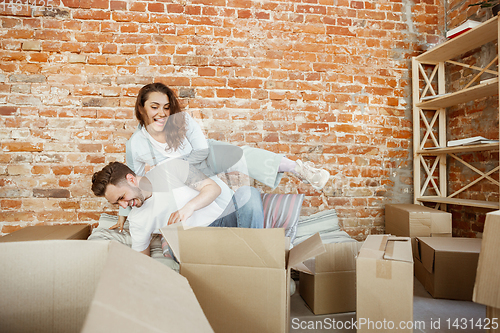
[139, 151]
[169, 194]
[141, 148]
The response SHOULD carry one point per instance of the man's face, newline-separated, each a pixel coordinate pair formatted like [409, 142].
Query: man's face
[126, 194]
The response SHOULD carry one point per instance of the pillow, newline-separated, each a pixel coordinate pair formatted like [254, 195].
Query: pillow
[325, 222]
[282, 211]
[335, 237]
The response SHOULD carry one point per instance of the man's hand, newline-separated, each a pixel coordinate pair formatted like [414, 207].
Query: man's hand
[181, 215]
[119, 224]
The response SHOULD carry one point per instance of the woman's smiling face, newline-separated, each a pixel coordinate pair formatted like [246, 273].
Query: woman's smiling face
[157, 108]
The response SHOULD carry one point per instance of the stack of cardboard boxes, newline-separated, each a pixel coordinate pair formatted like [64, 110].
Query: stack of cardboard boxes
[445, 265]
[241, 278]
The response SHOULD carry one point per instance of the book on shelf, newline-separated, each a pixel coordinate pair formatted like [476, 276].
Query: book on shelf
[490, 80]
[426, 98]
[468, 25]
[476, 140]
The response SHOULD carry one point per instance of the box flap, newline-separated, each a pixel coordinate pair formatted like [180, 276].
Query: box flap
[228, 246]
[170, 233]
[412, 208]
[48, 285]
[339, 257]
[398, 248]
[487, 286]
[48, 232]
[453, 244]
[137, 294]
[426, 254]
[309, 248]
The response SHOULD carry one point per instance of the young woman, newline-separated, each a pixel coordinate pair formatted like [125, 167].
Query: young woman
[165, 132]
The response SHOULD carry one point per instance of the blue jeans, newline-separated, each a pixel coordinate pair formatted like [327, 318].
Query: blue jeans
[248, 213]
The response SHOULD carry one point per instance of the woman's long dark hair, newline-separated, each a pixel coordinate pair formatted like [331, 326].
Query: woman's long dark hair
[175, 129]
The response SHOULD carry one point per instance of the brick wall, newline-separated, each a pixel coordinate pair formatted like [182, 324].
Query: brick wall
[472, 119]
[320, 80]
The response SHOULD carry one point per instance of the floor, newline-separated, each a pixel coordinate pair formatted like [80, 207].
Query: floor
[425, 308]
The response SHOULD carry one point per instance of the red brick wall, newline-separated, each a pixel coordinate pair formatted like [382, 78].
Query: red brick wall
[472, 119]
[320, 80]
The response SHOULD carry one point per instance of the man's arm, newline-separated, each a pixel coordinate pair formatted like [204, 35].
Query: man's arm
[209, 191]
[147, 251]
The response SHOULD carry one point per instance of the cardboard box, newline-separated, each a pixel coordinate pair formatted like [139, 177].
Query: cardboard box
[92, 286]
[487, 284]
[46, 232]
[419, 270]
[384, 280]
[329, 286]
[240, 276]
[493, 322]
[416, 221]
[450, 264]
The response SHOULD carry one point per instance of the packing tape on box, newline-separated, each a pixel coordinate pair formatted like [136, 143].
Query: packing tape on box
[383, 244]
[383, 269]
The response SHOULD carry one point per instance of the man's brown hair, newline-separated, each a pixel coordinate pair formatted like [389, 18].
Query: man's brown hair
[113, 173]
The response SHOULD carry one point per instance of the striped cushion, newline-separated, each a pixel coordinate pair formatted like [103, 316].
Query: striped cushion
[326, 223]
[282, 211]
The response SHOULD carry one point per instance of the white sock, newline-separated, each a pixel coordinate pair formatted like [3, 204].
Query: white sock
[287, 165]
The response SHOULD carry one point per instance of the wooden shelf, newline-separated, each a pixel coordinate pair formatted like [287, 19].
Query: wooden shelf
[462, 96]
[459, 149]
[474, 38]
[461, 202]
[432, 174]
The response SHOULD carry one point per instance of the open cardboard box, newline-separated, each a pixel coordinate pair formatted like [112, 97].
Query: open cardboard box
[329, 285]
[384, 281]
[487, 284]
[92, 286]
[240, 276]
[450, 265]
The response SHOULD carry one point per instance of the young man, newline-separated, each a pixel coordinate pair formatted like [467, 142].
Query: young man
[175, 192]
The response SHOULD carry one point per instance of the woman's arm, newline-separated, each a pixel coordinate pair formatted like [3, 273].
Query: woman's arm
[197, 140]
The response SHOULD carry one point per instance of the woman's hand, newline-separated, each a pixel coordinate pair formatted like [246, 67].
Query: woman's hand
[181, 215]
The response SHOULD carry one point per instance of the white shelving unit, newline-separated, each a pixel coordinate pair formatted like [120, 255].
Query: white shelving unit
[428, 68]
